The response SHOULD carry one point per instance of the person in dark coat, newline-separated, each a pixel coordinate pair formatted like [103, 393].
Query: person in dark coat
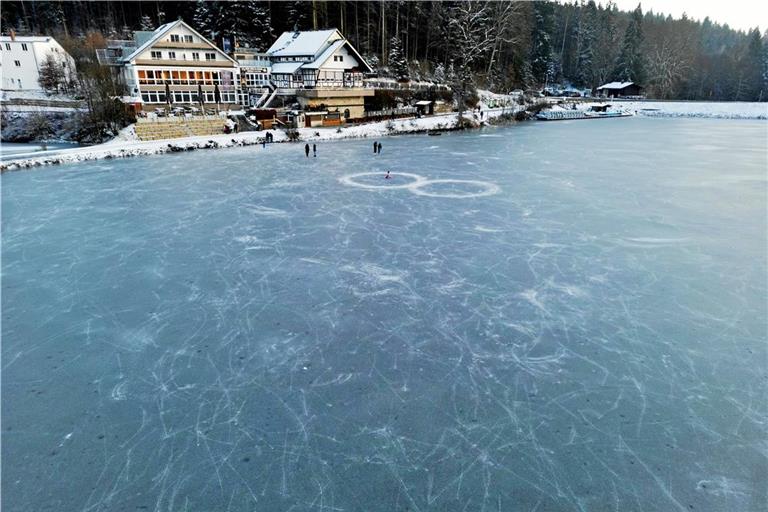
[379, 148]
[306, 150]
[314, 149]
[375, 147]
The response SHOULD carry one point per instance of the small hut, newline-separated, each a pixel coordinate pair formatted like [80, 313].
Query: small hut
[618, 89]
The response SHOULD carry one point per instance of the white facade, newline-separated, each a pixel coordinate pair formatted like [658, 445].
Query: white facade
[316, 59]
[178, 59]
[22, 56]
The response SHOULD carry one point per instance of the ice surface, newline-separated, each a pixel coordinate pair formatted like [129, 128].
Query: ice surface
[214, 331]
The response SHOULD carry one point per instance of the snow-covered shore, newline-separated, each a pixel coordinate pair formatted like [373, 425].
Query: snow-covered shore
[708, 109]
[121, 147]
[701, 109]
[125, 145]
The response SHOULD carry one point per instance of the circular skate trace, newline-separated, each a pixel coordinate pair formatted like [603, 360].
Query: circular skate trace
[384, 184]
[484, 189]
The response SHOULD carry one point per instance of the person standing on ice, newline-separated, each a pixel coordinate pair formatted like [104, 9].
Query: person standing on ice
[375, 147]
[314, 149]
[306, 150]
[379, 151]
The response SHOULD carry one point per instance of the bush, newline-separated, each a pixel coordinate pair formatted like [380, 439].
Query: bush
[537, 107]
[292, 134]
[39, 127]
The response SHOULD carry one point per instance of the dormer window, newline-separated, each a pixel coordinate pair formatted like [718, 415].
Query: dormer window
[175, 38]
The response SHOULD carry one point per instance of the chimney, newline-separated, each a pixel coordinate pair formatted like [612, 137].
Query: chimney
[13, 35]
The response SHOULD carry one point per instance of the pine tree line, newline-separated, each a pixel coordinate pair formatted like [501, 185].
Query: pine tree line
[495, 44]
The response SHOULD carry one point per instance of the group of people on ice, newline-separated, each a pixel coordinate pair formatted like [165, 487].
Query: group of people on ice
[376, 151]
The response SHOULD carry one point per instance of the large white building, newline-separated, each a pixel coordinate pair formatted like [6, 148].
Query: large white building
[177, 59]
[21, 58]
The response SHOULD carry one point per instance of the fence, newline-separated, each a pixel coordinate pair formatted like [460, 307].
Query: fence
[391, 112]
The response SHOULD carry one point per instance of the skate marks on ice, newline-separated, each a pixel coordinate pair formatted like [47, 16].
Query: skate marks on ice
[420, 185]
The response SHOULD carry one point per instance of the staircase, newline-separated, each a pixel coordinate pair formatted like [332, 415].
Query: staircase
[177, 128]
[271, 97]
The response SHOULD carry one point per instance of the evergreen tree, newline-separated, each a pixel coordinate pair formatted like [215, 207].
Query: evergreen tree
[263, 35]
[630, 66]
[764, 96]
[204, 18]
[751, 70]
[51, 76]
[604, 56]
[541, 58]
[236, 19]
[439, 74]
[587, 36]
[146, 23]
[398, 65]
[297, 15]
[450, 75]
[50, 16]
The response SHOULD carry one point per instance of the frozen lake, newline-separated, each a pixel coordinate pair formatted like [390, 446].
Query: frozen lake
[574, 319]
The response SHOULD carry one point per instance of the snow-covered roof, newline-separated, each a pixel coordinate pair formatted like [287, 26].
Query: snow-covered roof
[164, 29]
[287, 68]
[615, 85]
[27, 39]
[308, 42]
[424, 102]
[326, 54]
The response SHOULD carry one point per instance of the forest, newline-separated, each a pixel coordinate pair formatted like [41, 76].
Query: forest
[498, 45]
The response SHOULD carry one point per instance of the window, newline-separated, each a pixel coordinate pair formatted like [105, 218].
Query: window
[187, 39]
[18, 64]
[157, 55]
[175, 38]
[195, 56]
[210, 56]
[24, 47]
[172, 55]
[7, 46]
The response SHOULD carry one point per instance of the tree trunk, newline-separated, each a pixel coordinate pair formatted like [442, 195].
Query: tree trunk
[383, 19]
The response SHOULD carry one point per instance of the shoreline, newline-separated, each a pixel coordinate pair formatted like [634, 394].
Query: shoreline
[121, 148]
[127, 149]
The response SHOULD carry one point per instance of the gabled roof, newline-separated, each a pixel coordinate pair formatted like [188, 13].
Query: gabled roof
[319, 61]
[326, 54]
[287, 68]
[616, 85]
[163, 30]
[308, 42]
[26, 39]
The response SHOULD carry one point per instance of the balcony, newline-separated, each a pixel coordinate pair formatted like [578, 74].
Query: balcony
[181, 44]
[185, 63]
